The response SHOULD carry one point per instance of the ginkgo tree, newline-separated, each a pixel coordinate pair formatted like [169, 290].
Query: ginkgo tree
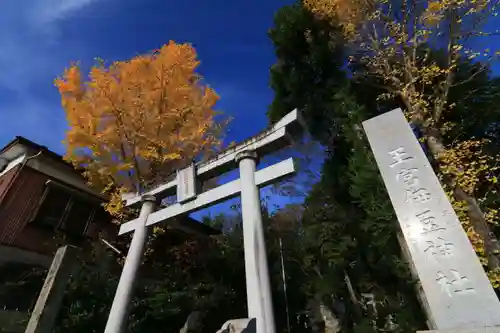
[414, 51]
[132, 123]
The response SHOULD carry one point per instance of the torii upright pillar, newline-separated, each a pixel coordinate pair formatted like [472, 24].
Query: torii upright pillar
[259, 297]
[121, 304]
[244, 156]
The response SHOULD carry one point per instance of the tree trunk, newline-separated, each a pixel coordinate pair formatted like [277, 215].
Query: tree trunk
[476, 216]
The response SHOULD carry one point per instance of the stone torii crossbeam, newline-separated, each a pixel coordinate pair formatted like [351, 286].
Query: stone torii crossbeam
[244, 156]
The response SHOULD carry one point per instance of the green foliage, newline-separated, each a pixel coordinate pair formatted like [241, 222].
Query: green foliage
[306, 53]
[89, 294]
[349, 224]
[349, 228]
[184, 274]
[339, 249]
[358, 232]
[179, 276]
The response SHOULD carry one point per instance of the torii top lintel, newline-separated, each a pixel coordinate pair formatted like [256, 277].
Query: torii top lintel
[268, 141]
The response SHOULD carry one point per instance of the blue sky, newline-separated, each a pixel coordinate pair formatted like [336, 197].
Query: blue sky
[39, 38]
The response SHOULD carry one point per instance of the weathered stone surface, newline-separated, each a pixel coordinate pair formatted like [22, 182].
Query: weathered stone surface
[457, 290]
[245, 325]
[186, 184]
[49, 301]
[192, 322]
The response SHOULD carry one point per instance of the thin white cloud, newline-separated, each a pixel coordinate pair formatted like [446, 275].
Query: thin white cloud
[49, 11]
[29, 43]
[31, 56]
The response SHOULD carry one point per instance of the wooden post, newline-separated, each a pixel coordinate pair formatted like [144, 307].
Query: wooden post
[49, 301]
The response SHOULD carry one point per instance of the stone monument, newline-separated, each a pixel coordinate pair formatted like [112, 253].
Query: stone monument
[457, 291]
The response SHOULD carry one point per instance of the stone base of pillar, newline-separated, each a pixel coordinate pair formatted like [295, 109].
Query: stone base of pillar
[245, 325]
[495, 329]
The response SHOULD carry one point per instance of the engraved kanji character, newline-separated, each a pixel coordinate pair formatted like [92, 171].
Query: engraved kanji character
[420, 195]
[446, 213]
[398, 156]
[440, 247]
[454, 283]
[408, 176]
[429, 221]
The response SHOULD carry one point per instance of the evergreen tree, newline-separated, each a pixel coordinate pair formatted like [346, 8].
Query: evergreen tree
[350, 229]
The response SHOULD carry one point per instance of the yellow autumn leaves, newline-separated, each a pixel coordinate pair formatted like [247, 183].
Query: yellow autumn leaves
[394, 40]
[347, 13]
[132, 123]
[437, 9]
[350, 14]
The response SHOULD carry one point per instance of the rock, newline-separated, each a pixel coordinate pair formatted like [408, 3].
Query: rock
[239, 326]
[192, 322]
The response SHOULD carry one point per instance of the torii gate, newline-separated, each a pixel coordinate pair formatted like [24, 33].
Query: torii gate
[245, 156]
